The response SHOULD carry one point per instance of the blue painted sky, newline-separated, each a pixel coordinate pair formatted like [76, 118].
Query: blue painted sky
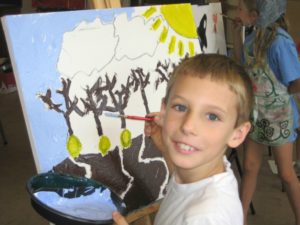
[35, 42]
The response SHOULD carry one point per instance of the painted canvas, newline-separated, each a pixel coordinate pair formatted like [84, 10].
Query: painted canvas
[210, 28]
[74, 67]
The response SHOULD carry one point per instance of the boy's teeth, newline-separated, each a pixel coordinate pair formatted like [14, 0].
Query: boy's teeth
[186, 147]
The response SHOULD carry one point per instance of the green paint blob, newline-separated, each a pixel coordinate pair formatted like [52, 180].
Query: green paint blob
[104, 145]
[172, 44]
[163, 35]
[74, 146]
[149, 12]
[156, 24]
[125, 138]
[180, 48]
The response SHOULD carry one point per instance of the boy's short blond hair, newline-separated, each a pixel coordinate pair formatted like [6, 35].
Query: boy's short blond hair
[220, 69]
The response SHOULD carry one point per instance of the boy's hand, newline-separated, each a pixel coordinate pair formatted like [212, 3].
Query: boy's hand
[118, 219]
[153, 129]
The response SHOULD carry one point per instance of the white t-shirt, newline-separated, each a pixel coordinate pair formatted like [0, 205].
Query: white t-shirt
[212, 201]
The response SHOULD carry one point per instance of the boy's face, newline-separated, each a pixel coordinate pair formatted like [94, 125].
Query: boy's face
[199, 124]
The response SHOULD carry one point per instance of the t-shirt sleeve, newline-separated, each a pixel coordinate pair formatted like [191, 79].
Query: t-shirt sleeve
[283, 59]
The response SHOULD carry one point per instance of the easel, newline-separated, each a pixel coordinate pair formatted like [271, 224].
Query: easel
[143, 216]
[102, 4]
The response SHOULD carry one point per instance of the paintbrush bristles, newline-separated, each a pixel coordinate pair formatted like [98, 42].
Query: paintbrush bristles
[111, 114]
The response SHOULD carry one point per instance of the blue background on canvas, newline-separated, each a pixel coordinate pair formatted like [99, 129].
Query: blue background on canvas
[36, 44]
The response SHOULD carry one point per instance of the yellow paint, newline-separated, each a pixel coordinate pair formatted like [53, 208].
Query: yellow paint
[156, 24]
[180, 48]
[180, 18]
[149, 12]
[125, 138]
[74, 146]
[172, 44]
[104, 145]
[191, 48]
[163, 35]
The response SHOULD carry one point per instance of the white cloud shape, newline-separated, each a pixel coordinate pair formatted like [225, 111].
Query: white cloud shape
[136, 38]
[88, 47]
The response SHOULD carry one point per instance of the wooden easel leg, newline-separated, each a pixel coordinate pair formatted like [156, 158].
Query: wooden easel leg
[102, 4]
[146, 220]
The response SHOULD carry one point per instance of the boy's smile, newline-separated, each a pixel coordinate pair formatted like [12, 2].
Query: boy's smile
[199, 123]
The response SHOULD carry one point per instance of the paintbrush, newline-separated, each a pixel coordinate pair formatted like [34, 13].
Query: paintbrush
[227, 17]
[131, 117]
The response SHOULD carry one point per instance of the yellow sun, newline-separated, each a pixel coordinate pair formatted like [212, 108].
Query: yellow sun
[180, 18]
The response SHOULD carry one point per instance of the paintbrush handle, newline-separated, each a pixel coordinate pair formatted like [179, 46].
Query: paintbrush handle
[129, 117]
[227, 17]
[140, 118]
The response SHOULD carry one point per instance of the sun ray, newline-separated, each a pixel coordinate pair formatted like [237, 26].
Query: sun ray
[163, 35]
[156, 24]
[191, 48]
[149, 12]
[180, 48]
[172, 44]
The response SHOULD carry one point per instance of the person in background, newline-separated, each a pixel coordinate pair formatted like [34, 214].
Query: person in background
[269, 55]
[297, 160]
[297, 147]
[205, 111]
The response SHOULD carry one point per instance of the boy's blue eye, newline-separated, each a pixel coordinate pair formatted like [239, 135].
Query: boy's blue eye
[212, 117]
[180, 108]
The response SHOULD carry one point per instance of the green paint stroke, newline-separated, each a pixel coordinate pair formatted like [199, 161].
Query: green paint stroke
[74, 146]
[191, 48]
[172, 44]
[104, 145]
[156, 24]
[125, 138]
[149, 12]
[180, 48]
[163, 35]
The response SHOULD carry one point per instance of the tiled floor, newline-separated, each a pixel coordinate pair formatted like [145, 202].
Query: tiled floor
[16, 166]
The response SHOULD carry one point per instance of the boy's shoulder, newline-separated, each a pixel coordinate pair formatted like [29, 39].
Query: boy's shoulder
[213, 185]
[220, 199]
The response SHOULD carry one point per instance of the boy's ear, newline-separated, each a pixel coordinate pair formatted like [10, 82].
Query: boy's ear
[239, 135]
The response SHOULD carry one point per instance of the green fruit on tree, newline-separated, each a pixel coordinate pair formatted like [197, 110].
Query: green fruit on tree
[104, 145]
[74, 146]
[125, 138]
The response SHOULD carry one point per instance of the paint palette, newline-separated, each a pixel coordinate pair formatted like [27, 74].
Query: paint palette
[65, 199]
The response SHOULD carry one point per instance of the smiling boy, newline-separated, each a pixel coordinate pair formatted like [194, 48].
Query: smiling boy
[205, 111]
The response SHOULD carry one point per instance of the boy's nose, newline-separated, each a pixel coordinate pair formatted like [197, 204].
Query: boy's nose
[189, 124]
